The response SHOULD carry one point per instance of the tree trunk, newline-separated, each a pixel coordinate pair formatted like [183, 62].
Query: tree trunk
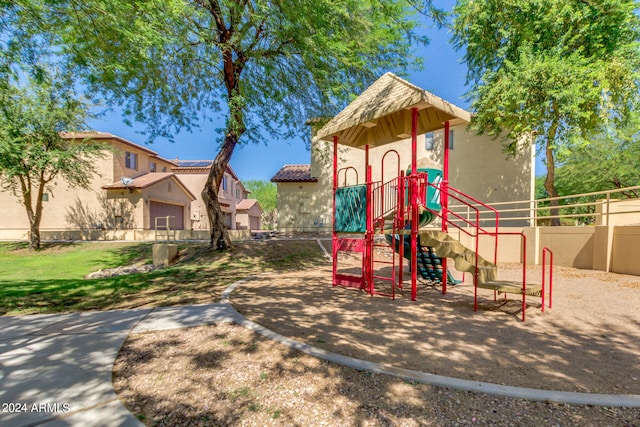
[34, 215]
[549, 182]
[233, 60]
[219, 234]
[34, 236]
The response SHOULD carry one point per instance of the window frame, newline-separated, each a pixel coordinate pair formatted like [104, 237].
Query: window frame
[131, 160]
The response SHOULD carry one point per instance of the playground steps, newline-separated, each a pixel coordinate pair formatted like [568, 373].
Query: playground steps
[463, 257]
[512, 287]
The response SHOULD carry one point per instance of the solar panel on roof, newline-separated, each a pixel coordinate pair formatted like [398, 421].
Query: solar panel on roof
[193, 163]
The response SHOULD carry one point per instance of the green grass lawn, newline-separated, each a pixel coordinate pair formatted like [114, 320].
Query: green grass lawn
[52, 279]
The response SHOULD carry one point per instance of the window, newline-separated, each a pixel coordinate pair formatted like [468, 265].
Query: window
[152, 166]
[131, 160]
[429, 141]
[45, 197]
[224, 182]
[238, 194]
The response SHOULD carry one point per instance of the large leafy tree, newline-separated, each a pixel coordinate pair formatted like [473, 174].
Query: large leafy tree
[555, 69]
[266, 66]
[34, 113]
[610, 161]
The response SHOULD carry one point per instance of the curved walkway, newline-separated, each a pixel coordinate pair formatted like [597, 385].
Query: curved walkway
[56, 370]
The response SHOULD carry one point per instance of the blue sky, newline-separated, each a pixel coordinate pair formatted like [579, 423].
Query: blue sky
[443, 74]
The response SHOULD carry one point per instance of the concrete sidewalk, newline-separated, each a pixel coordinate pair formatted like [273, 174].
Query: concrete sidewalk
[55, 370]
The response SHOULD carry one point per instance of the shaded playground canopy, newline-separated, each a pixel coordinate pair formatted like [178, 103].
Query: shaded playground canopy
[382, 114]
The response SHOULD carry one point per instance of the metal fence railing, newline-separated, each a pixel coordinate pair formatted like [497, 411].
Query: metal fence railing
[165, 229]
[577, 209]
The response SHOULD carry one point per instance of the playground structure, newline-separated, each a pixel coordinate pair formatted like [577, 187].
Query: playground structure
[402, 205]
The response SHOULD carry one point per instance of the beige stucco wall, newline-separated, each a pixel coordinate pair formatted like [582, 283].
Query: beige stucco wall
[61, 197]
[625, 251]
[142, 235]
[300, 207]
[195, 181]
[604, 248]
[119, 165]
[571, 246]
[621, 212]
[64, 200]
[243, 218]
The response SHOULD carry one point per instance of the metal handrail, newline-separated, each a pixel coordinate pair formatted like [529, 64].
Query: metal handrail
[169, 231]
[532, 210]
[345, 170]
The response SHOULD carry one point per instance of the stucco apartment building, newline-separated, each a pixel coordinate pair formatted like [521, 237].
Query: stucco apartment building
[477, 167]
[132, 188]
[240, 212]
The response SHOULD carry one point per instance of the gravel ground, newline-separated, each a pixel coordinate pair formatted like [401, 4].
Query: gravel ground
[226, 375]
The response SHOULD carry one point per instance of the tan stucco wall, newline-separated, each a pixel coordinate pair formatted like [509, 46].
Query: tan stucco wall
[198, 212]
[13, 214]
[621, 212]
[571, 246]
[109, 169]
[604, 248]
[195, 181]
[626, 250]
[300, 208]
[119, 166]
[243, 218]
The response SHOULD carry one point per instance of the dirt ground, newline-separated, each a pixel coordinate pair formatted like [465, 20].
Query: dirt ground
[224, 375]
[588, 342]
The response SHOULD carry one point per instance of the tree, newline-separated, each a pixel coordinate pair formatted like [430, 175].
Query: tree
[267, 66]
[556, 69]
[266, 193]
[611, 160]
[33, 152]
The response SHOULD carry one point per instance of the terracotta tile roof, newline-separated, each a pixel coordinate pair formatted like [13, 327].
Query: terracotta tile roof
[147, 180]
[294, 173]
[95, 135]
[199, 165]
[247, 204]
[193, 164]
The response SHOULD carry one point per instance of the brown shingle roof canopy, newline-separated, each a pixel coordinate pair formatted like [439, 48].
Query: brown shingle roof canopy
[294, 173]
[382, 114]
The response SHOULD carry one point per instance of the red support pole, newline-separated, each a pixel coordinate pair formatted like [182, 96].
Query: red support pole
[444, 200]
[400, 224]
[334, 235]
[368, 253]
[414, 204]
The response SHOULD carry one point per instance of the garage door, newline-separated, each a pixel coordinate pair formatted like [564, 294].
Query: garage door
[254, 222]
[157, 209]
